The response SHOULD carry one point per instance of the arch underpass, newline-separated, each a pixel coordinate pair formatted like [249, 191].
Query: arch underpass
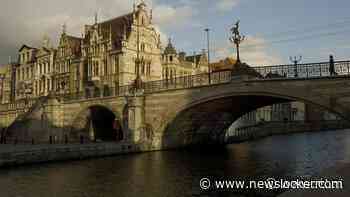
[203, 115]
[97, 123]
[207, 122]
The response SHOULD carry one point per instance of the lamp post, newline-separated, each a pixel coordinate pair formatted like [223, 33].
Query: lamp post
[237, 39]
[207, 30]
[295, 61]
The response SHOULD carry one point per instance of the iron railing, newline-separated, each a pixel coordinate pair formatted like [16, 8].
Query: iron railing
[310, 70]
[152, 86]
[299, 71]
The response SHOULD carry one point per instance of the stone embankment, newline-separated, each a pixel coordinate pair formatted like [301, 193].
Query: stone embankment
[13, 155]
[265, 129]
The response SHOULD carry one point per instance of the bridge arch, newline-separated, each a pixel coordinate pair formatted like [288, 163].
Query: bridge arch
[205, 118]
[97, 123]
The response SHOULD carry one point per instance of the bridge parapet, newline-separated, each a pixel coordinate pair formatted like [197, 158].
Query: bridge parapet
[308, 70]
[18, 105]
[281, 72]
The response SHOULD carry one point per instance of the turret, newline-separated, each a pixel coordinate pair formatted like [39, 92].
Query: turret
[142, 5]
[170, 49]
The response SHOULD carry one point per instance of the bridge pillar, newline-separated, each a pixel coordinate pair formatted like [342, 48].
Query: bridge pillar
[53, 117]
[135, 110]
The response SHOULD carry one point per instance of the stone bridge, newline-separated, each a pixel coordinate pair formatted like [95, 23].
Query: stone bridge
[174, 116]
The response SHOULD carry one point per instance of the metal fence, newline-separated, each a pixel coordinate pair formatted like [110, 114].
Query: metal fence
[299, 71]
[310, 70]
[152, 86]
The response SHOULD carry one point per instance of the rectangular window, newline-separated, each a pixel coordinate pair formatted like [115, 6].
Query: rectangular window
[18, 74]
[106, 68]
[27, 72]
[116, 65]
[143, 68]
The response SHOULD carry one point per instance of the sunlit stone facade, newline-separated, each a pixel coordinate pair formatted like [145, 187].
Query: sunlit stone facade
[103, 58]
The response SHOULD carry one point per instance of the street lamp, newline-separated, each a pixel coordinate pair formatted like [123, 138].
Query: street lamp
[237, 39]
[295, 60]
[208, 48]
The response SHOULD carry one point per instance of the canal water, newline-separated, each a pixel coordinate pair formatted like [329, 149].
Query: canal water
[176, 173]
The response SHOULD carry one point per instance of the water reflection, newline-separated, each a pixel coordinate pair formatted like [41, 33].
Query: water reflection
[175, 173]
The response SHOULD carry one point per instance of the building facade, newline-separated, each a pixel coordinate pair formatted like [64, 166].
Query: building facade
[7, 80]
[109, 54]
[179, 64]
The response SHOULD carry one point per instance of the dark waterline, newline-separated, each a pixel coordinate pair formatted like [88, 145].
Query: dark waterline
[175, 173]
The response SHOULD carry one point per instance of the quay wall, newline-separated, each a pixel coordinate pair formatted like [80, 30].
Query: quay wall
[283, 128]
[11, 155]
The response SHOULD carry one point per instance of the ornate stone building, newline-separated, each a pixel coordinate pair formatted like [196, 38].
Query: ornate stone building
[178, 64]
[6, 83]
[107, 55]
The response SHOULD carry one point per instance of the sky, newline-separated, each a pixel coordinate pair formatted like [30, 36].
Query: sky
[274, 29]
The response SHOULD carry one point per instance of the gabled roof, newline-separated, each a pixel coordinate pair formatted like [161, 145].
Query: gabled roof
[116, 28]
[73, 37]
[73, 43]
[25, 46]
[43, 51]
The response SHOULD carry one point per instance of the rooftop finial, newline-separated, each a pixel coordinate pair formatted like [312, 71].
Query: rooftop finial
[142, 5]
[46, 41]
[169, 40]
[64, 28]
[96, 17]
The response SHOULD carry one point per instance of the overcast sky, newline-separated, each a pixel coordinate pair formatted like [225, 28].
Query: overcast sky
[275, 29]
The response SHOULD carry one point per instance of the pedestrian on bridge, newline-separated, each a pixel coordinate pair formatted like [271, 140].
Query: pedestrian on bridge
[331, 66]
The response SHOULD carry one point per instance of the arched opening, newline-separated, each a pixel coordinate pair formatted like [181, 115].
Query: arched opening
[97, 123]
[207, 121]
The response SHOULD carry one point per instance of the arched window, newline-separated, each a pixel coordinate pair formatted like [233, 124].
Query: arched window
[149, 69]
[167, 73]
[106, 68]
[143, 67]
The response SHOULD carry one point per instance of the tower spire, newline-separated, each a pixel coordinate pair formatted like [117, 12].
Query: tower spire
[110, 31]
[151, 15]
[169, 41]
[64, 28]
[96, 17]
[142, 5]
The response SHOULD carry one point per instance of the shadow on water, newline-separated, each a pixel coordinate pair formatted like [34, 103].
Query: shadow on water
[177, 173]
